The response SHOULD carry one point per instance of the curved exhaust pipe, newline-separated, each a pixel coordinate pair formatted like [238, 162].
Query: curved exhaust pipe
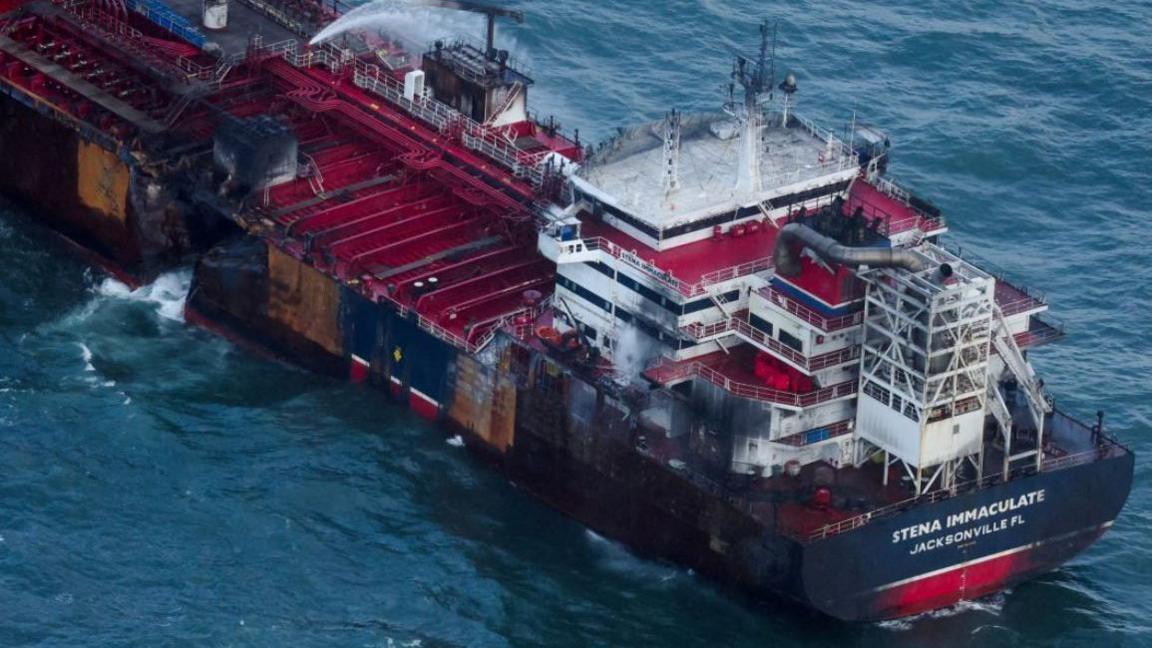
[795, 236]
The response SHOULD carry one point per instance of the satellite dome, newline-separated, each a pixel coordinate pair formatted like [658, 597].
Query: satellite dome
[789, 83]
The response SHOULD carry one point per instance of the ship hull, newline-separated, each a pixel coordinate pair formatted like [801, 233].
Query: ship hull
[966, 547]
[564, 441]
[119, 209]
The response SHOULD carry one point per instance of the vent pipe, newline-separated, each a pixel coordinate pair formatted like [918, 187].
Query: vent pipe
[795, 236]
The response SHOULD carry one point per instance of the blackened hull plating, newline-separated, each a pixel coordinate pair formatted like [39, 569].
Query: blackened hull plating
[568, 442]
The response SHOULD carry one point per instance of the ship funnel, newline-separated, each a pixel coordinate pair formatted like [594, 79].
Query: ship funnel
[795, 236]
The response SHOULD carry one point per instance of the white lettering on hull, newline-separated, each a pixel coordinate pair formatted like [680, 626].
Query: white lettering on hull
[999, 509]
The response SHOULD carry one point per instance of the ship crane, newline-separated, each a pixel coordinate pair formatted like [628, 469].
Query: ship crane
[490, 12]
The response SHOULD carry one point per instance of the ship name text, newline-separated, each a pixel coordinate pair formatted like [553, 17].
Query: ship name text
[966, 517]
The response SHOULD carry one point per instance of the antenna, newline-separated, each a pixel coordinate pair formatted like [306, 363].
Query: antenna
[672, 129]
[756, 77]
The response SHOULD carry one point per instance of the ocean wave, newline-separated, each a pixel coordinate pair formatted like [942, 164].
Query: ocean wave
[86, 354]
[167, 293]
[993, 604]
[616, 558]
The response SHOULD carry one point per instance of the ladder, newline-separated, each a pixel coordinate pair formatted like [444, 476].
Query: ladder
[313, 174]
[718, 298]
[999, 409]
[1025, 375]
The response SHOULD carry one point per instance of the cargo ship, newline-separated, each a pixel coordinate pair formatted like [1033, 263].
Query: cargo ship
[726, 339]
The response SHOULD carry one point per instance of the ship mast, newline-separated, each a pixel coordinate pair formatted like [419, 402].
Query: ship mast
[756, 77]
[671, 159]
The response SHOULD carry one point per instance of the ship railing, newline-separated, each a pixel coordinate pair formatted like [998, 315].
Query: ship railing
[755, 266]
[521, 66]
[1026, 296]
[474, 135]
[817, 434]
[893, 190]
[737, 324]
[662, 277]
[1041, 330]
[442, 333]
[1106, 450]
[463, 341]
[107, 25]
[287, 49]
[671, 372]
[802, 312]
[923, 221]
[666, 280]
[374, 79]
[842, 148]
[828, 360]
[891, 224]
[1020, 304]
[699, 331]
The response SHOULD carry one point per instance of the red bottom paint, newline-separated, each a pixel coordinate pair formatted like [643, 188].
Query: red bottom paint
[424, 406]
[357, 371]
[973, 580]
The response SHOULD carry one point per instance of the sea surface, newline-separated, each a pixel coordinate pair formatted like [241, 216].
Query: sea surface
[163, 487]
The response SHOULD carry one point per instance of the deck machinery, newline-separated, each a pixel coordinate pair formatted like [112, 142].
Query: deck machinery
[727, 339]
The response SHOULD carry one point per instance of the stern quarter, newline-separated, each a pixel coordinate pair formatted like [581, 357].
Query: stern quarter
[933, 555]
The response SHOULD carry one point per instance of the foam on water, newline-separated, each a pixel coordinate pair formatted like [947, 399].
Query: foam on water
[167, 293]
[617, 558]
[993, 605]
[86, 354]
[328, 517]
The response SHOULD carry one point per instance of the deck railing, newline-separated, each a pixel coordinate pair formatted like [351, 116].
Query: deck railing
[673, 371]
[815, 363]
[807, 314]
[1107, 450]
[374, 79]
[738, 325]
[665, 278]
[925, 222]
[818, 434]
[1018, 300]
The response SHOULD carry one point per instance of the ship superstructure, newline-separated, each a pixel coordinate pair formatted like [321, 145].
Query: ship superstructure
[727, 338]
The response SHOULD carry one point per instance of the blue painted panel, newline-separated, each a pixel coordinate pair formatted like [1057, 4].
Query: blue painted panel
[360, 323]
[418, 356]
[162, 16]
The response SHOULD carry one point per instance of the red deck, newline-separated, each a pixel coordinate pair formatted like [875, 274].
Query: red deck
[1014, 301]
[698, 263]
[746, 250]
[896, 216]
[742, 371]
[393, 207]
[386, 204]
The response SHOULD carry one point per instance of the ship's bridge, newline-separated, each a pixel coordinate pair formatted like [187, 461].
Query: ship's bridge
[670, 182]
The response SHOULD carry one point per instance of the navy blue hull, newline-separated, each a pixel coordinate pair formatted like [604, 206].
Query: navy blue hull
[965, 547]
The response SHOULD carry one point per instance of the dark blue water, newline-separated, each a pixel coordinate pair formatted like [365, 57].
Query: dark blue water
[160, 487]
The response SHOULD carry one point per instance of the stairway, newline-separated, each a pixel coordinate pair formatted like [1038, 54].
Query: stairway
[1025, 375]
[998, 408]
